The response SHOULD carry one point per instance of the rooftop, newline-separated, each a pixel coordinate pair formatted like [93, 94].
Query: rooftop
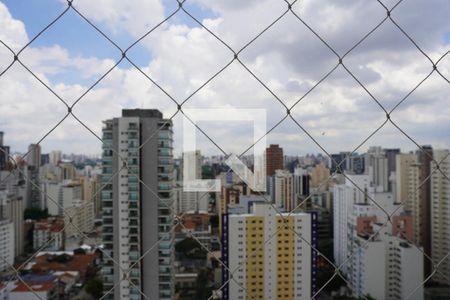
[50, 224]
[142, 113]
[76, 263]
[39, 287]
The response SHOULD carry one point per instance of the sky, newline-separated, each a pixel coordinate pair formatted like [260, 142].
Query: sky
[278, 68]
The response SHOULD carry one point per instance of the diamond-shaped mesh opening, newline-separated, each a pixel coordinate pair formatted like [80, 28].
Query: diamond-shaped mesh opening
[343, 23]
[180, 44]
[53, 62]
[269, 53]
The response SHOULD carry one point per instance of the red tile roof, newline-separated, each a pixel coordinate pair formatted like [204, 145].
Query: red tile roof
[37, 287]
[78, 262]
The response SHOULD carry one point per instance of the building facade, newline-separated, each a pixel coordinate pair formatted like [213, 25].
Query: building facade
[440, 212]
[274, 159]
[6, 244]
[269, 255]
[137, 205]
[283, 195]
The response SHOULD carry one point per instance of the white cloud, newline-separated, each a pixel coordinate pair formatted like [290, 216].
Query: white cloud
[288, 58]
[13, 31]
[135, 17]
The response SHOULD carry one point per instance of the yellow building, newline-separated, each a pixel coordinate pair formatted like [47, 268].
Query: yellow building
[268, 254]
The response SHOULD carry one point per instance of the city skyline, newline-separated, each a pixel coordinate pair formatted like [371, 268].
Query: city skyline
[224, 150]
[178, 155]
[355, 204]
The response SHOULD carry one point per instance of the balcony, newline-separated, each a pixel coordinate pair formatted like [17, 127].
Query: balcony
[107, 144]
[133, 196]
[164, 187]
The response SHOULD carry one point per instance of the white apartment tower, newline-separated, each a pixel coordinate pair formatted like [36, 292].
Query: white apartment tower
[284, 190]
[376, 255]
[387, 267]
[344, 197]
[377, 166]
[189, 201]
[6, 245]
[138, 173]
[440, 214]
[11, 208]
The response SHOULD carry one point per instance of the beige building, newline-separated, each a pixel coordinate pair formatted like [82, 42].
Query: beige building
[82, 215]
[440, 213]
[408, 182]
[284, 190]
[319, 177]
[91, 191]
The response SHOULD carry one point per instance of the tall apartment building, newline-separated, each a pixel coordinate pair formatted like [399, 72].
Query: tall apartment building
[6, 244]
[4, 153]
[391, 155]
[59, 196]
[338, 160]
[283, 192]
[424, 157]
[274, 159]
[137, 205]
[377, 167]
[356, 163]
[344, 197]
[408, 180]
[34, 156]
[11, 208]
[79, 218]
[382, 262]
[55, 157]
[378, 258]
[319, 177]
[49, 233]
[440, 212]
[301, 180]
[267, 258]
[230, 195]
[387, 267]
[91, 185]
[189, 201]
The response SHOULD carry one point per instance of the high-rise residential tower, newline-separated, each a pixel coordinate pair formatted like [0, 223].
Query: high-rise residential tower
[391, 158]
[320, 176]
[33, 159]
[283, 192]
[424, 157]
[377, 167]
[274, 159]
[440, 212]
[407, 191]
[137, 217]
[55, 157]
[4, 153]
[34, 156]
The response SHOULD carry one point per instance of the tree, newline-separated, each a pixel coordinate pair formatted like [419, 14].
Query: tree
[35, 213]
[203, 289]
[79, 251]
[214, 221]
[190, 248]
[62, 258]
[95, 288]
